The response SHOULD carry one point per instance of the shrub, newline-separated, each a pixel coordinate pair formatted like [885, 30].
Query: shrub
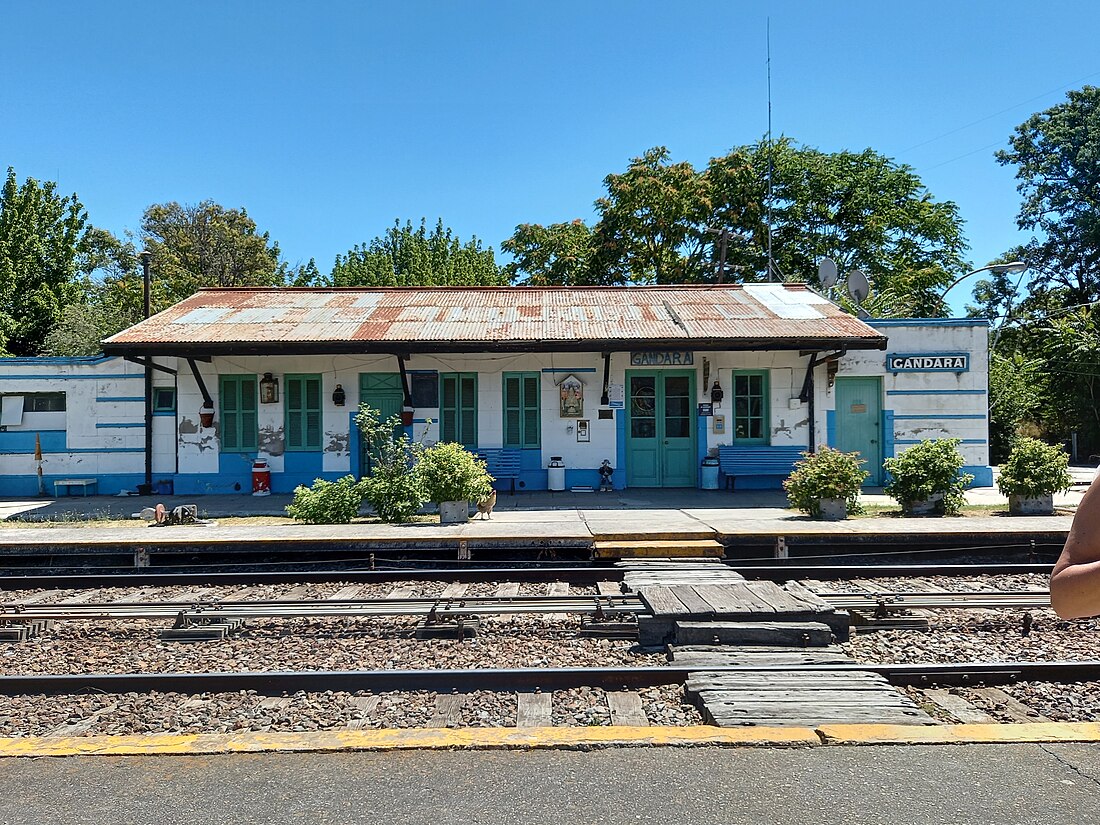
[1034, 469]
[450, 472]
[327, 502]
[394, 487]
[930, 469]
[828, 473]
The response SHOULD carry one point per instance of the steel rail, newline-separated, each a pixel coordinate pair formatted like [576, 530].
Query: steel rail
[933, 600]
[545, 573]
[277, 683]
[201, 611]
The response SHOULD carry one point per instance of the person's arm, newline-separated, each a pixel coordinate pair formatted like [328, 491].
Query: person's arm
[1075, 582]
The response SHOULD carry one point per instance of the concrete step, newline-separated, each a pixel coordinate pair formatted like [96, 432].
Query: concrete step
[658, 548]
[794, 634]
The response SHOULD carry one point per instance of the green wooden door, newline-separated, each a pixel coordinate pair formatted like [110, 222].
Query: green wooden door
[660, 442]
[381, 391]
[859, 422]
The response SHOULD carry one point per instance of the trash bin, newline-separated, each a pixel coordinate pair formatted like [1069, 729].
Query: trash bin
[710, 474]
[555, 474]
[261, 478]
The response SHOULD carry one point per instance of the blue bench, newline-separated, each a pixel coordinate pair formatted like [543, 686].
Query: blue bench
[757, 461]
[502, 463]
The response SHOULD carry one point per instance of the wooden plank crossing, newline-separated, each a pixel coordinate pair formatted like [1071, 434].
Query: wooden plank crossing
[793, 698]
[638, 573]
[704, 656]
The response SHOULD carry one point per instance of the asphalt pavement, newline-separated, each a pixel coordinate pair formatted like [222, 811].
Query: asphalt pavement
[973, 784]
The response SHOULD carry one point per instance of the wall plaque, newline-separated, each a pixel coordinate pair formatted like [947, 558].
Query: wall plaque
[662, 358]
[928, 362]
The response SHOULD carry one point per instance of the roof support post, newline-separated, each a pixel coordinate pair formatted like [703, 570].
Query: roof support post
[401, 359]
[206, 399]
[604, 398]
[807, 396]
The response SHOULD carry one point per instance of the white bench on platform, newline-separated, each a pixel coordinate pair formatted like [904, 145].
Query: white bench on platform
[69, 483]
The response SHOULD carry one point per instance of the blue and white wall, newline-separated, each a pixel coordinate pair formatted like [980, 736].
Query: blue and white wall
[922, 404]
[100, 434]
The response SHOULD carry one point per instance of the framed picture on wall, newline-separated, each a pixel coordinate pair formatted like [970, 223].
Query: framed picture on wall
[571, 395]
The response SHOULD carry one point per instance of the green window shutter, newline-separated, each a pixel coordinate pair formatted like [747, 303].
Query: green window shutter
[448, 407]
[458, 408]
[303, 412]
[467, 430]
[239, 427]
[521, 410]
[513, 410]
[532, 428]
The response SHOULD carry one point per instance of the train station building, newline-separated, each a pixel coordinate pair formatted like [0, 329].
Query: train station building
[670, 385]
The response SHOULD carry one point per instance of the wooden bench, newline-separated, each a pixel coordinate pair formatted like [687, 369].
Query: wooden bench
[69, 483]
[502, 463]
[757, 461]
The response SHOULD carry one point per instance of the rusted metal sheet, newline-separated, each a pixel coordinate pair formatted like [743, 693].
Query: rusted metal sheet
[758, 313]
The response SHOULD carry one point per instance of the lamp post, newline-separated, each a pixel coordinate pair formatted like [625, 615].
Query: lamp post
[1011, 267]
[147, 487]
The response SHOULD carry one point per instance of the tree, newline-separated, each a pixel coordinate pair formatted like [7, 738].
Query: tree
[46, 247]
[559, 254]
[204, 245]
[1057, 155]
[661, 222]
[404, 256]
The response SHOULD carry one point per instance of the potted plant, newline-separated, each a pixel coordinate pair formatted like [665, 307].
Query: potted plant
[206, 416]
[1031, 476]
[826, 484]
[927, 479]
[452, 477]
[407, 414]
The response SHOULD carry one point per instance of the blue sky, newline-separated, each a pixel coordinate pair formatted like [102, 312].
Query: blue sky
[328, 120]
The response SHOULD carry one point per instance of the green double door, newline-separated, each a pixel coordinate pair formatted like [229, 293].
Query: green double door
[859, 422]
[382, 391]
[660, 429]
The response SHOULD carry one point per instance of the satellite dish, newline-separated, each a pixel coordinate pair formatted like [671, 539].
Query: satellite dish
[858, 286]
[826, 273]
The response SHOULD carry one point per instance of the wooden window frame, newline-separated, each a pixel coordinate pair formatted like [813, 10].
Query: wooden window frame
[458, 411]
[303, 412]
[523, 440]
[242, 446]
[765, 414]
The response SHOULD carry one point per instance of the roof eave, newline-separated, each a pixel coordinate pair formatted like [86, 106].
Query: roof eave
[189, 349]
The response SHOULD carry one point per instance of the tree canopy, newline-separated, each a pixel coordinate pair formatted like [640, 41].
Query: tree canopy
[660, 222]
[404, 256]
[47, 251]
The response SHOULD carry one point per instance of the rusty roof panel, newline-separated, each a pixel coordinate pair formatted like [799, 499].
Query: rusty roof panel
[519, 315]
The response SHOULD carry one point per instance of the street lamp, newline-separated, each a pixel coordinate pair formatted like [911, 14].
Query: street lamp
[997, 269]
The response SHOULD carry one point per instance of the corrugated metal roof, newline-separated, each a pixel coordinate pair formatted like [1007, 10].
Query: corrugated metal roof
[464, 317]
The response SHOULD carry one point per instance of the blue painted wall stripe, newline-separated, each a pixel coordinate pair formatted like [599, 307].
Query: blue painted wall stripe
[935, 392]
[935, 416]
[577, 369]
[126, 398]
[928, 322]
[62, 377]
[830, 428]
[888, 440]
[47, 360]
[109, 425]
[922, 440]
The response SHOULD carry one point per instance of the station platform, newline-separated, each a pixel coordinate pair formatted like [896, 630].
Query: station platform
[540, 519]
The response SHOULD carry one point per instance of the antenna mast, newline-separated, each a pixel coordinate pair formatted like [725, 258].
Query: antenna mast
[771, 167]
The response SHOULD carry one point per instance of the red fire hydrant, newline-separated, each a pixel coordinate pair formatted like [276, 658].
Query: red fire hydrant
[261, 478]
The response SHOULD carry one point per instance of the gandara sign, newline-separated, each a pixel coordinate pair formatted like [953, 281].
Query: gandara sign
[928, 362]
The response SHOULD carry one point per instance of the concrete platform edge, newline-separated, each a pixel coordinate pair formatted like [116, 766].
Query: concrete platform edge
[546, 738]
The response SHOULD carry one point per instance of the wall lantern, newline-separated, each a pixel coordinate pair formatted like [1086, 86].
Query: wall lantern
[269, 389]
[716, 394]
[339, 396]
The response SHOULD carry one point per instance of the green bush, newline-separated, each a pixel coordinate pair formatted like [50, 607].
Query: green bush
[828, 473]
[1034, 469]
[394, 487]
[450, 472]
[327, 502]
[929, 469]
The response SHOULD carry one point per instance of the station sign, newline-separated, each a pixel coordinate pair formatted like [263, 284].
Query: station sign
[928, 362]
[662, 358]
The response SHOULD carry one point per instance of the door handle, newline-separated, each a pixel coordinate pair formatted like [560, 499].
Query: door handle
[666, 441]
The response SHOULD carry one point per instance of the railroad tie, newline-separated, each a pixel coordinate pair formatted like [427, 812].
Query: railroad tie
[365, 706]
[533, 710]
[626, 708]
[448, 710]
[957, 706]
[84, 724]
[345, 593]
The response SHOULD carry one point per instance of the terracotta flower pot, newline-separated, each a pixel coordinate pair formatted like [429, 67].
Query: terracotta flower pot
[206, 417]
[407, 417]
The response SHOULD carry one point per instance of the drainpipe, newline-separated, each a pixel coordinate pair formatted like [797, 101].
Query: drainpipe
[145, 256]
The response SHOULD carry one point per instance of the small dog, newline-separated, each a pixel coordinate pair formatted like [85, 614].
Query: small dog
[487, 504]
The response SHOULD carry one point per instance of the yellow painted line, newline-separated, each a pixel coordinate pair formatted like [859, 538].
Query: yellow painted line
[992, 733]
[405, 739]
